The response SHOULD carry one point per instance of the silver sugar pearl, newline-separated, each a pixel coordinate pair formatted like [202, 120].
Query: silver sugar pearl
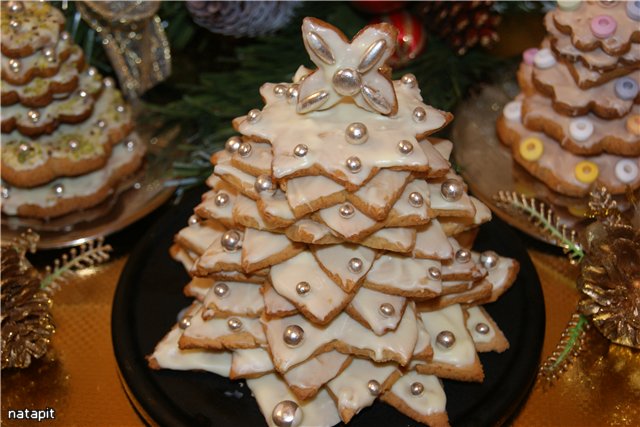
[354, 164]
[434, 273]
[73, 144]
[300, 150]
[83, 94]
[292, 93]
[347, 82]
[5, 192]
[234, 324]
[15, 65]
[108, 82]
[185, 322]
[489, 259]
[24, 147]
[221, 290]
[231, 240]
[279, 90]
[416, 388]
[101, 124]
[374, 387]
[64, 35]
[452, 190]
[347, 210]
[130, 144]
[405, 147]
[355, 265]
[263, 183]
[415, 199]
[463, 256]
[286, 414]
[120, 108]
[14, 24]
[92, 71]
[49, 53]
[419, 114]
[303, 288]
[34, 115]
[16, 6]
[387, 310]
[293, 335]
[446, 339]
[356, 133]
[193, 220]
[254, 115]
[233, 144]
[244, 149]
[221, 199]
[482, 328]
[409, 80]
[58, 190]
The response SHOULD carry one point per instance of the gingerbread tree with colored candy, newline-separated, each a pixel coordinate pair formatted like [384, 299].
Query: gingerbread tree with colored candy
[67, 135]
[577, 121]
[326, 269]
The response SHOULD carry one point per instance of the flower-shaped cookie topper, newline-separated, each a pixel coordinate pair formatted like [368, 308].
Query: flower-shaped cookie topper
[346, 69]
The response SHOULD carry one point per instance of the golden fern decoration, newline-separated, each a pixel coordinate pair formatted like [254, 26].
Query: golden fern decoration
[571, 343]
[545, 219]
[64, 268]
[603, 208]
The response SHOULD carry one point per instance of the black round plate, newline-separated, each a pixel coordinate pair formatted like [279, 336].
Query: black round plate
[149, 296]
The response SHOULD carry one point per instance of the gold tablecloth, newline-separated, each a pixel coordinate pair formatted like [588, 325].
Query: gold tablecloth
[81, 381]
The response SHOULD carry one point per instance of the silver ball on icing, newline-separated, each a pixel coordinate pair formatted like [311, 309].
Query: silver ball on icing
[83, 94]
[58, 190]
[347, 82]
[452, 190]
[387, 310]
[263, 183]
[405, 147]
[374, 387]
[347, 210]
[279, 90]
[16, 6]
[234, 324]
[419, 114]
[130, 145]
[120, 108]
[92, 71]
[303, 288]
[293, 335]
[49, 53]
[415, 199]
[193, 220]
[300, 150]
[64, 35]
[185, 322]
[355, 265]
[356, 133]
[409, 80]
[416, 388]
[463, 256]
[287, 414]
[15, 65]
[73, 144]
[244, 149]
[446, 339]
[14, 24]
[489, 259]
[482, 328]
[221, 199]
[221, 290]
[233, 144]
[231, 240]
[354, 164]
[292, 93]
[34, 115]
[434, 273]
[254, 115]
[101, 124]
[5, 192]
[108, 82]
[24, 147]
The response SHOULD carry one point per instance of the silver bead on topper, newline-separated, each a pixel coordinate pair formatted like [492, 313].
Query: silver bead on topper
[244, 149]
[193, 220]
[233, 144]
[434, 273]
[300, 150]
[405, 147]
[354, 164]
[234, 324]
[347, 82]
[286, 414]
[221, 290]
[264, 183]
[482, 328]
[279, 90]
[293, 335]
[292, 93]
[222, 199]
[419, 114]
[387, 310]
[489, 259]
[415, 199]
[303, 288]
[347, 211]
[185, 322]
[409, 80]
[254, 115]
[463, 256]
[452, 190]
[416, 388]
[356, 133]
[355, 265]
[446, 339]
[231, 240]
[374, 387]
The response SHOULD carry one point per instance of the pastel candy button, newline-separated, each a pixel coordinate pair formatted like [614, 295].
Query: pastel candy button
[603, 26]
[580, 129]
[626, 170]
[626, 88]
[633, 124]
[544, 59]
[568, 4]
[531, 149]
[512, 111]
[586, 172]
[528, 55]
[633, 10]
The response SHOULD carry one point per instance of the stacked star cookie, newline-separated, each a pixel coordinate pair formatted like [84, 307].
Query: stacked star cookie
[577, 121]
[66, 132]
[326, 268]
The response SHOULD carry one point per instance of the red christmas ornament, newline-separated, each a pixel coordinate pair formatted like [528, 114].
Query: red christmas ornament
[378, 7]
[412, 38]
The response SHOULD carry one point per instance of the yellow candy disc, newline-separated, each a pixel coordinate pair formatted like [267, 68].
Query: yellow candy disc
[586, 172]
[531, 149]
[633, 124]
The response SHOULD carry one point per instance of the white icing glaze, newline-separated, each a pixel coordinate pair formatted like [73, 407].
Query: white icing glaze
[184, 257]
[512, 110]
[215, 255]
[250, 361]
[432, 400]
[379, 191]
[201, 235]
[259, 159]
[398, 274]
[477, 316]
[335, 259]
[260, 245]
[274, 303]
[198, 287]
[209, 207]
[403, 238]
[276, 205]
[424, 339]
[347, 227]
[224, 169]
[444, 147]
[312, 228]
[367, 304]
[316, 371]
[308, 189]
[402, 207]
[450, 318]
[216, 328]
[247, 208]
[460, 207]
[438, 156]
[499, 275]
[242, 299]
[431, 242]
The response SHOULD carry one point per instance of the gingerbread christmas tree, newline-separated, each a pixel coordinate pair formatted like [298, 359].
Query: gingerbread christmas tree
[577, 120]
[66, 132]
[326, 269]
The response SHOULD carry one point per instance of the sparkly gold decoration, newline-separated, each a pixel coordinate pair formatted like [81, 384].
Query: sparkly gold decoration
[134, 40]
[571, 343]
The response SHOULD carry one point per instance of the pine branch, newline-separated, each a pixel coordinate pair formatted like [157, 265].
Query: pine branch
[88, 254]
[571, 343]
[544, 218]
[603, 207]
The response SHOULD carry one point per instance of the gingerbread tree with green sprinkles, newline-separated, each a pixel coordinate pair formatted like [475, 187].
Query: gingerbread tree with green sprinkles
[324, 260]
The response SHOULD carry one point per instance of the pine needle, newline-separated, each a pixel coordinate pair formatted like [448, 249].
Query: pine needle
[571, 343]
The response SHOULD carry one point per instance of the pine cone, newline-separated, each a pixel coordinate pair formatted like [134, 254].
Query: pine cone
[26, 321]
[462, 24]
[610, 282]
